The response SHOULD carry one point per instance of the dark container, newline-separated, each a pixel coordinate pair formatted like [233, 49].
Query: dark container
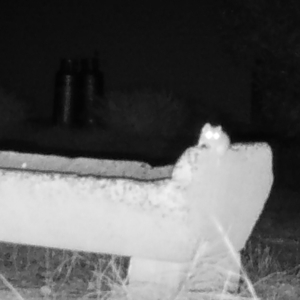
[65, 93]
[91, 91]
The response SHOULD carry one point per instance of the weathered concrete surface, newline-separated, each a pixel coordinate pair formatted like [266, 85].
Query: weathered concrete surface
[72, 212]
[227, 195]
[214, 211]
[231, 191]
[82, 165]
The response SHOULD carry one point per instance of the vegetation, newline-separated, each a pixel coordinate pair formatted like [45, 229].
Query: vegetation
[14, 110]
[54, 273]
[144, 112]
[269, 273]
[264, 34]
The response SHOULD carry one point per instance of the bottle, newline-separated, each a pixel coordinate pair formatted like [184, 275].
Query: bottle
[65, 93]
[91, 90]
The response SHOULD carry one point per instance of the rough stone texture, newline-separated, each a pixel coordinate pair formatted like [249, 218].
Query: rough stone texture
[226, 194]
[82, 165]
[118, 216]
[208, 202]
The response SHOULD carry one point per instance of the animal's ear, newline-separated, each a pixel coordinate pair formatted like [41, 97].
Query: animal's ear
[206, 127]
[203, 131]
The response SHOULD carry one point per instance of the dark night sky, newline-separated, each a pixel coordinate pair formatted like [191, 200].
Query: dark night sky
[171, 45]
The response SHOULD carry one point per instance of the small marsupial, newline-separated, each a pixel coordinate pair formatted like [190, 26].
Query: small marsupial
[214, 138]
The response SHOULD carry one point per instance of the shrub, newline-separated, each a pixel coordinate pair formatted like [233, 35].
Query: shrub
[13, 110]
[144, 112]
[267, 31]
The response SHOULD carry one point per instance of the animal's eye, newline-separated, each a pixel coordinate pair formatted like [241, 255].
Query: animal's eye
[216, 135]
[209, 134]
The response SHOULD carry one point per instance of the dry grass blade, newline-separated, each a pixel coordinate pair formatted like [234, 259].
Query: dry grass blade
[13, 290]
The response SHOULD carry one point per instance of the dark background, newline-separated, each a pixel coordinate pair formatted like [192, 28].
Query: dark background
[175, 46]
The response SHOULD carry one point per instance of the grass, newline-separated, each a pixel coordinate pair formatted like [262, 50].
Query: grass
[144, 112]
[56, 274]
[271, 269]
[271, 266]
